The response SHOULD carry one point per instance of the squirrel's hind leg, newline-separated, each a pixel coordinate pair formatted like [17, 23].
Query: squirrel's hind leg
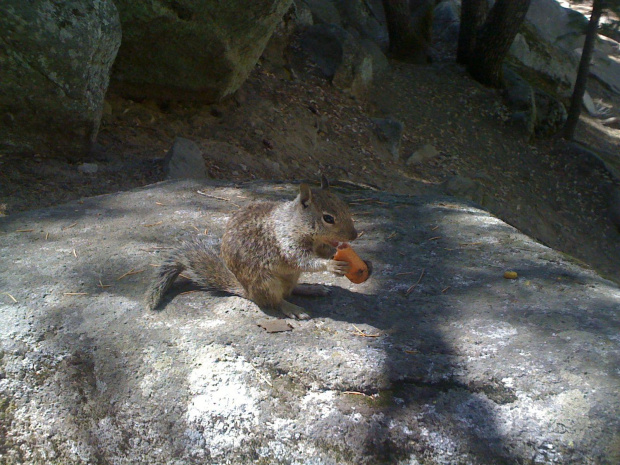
[312, 290]
[271, 291]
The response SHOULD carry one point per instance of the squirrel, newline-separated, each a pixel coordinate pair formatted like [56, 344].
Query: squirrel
[264, 249]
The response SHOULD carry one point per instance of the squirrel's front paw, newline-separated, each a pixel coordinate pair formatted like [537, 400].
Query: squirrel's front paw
[338, 268]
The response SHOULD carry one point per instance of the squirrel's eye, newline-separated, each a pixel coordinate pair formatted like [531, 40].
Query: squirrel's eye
[328, 219]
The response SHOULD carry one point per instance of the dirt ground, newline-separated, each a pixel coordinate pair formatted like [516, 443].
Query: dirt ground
[280, 128]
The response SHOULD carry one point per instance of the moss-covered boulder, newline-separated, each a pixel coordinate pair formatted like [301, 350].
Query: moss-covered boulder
[192, 49]
[55, 61]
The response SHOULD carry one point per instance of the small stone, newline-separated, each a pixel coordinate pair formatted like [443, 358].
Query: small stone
[184, 160]
[511, 275]
[589, 105]
[88, 168]
[107, 108]
[426, 153]
[390, 131]
[464, 187]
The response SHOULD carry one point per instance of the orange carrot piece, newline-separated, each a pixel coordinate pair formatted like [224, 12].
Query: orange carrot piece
[359, 270]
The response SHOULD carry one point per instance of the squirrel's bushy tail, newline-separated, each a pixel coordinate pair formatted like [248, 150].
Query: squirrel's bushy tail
[200, 261]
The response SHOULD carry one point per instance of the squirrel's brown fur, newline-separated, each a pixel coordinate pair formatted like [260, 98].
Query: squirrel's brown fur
[265, 248]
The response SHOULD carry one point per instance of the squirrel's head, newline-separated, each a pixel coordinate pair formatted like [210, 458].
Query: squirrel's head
[330, 216]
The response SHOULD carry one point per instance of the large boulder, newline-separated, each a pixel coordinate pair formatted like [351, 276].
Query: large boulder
[350, 62]
[550, 64]
[365, 18]
[551, 43]
[191, 49]
[55, 61]
[436, 359]
[538, 112]
[446, 21]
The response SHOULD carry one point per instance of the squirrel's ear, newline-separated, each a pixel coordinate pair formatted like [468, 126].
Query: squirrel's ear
[305, 195]
[324, 182]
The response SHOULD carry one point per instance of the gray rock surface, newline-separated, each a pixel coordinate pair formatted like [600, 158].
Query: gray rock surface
[446, 21]
[323, 11]
[390, 131]
[550, 114]
[465, 188]
[552, 63]
[184, 160]
[521, 100]
[606, 63]
[551, 45]
[535, 110]
[187, 49]
[423, 154]
[363, 17]
[348, 60]
[367, 17]
[437, 359]
[55, 61]
[88, 168]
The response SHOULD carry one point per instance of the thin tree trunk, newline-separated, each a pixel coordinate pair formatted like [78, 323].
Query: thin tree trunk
[473, 14]
[494, 41]
[398, 18]
[583, 71]
[409, 41]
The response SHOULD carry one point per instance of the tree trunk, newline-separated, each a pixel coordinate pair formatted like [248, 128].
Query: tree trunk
[583, 71]
[473, 14]
[494, 40]
[409, 36]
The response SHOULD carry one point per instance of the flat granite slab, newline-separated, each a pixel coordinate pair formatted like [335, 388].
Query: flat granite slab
[437, 359]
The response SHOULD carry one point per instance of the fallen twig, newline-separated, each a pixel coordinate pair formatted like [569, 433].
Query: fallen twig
[12, 298]
[361, 333]
[75, 293]
[218, 198]
[70, 226]
[188, 292]
[414, 286]
[355, 393]
[152, 224]
[261, 375]
[129, 273]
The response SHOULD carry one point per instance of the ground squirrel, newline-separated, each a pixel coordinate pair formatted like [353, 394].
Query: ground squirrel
[265, 248]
